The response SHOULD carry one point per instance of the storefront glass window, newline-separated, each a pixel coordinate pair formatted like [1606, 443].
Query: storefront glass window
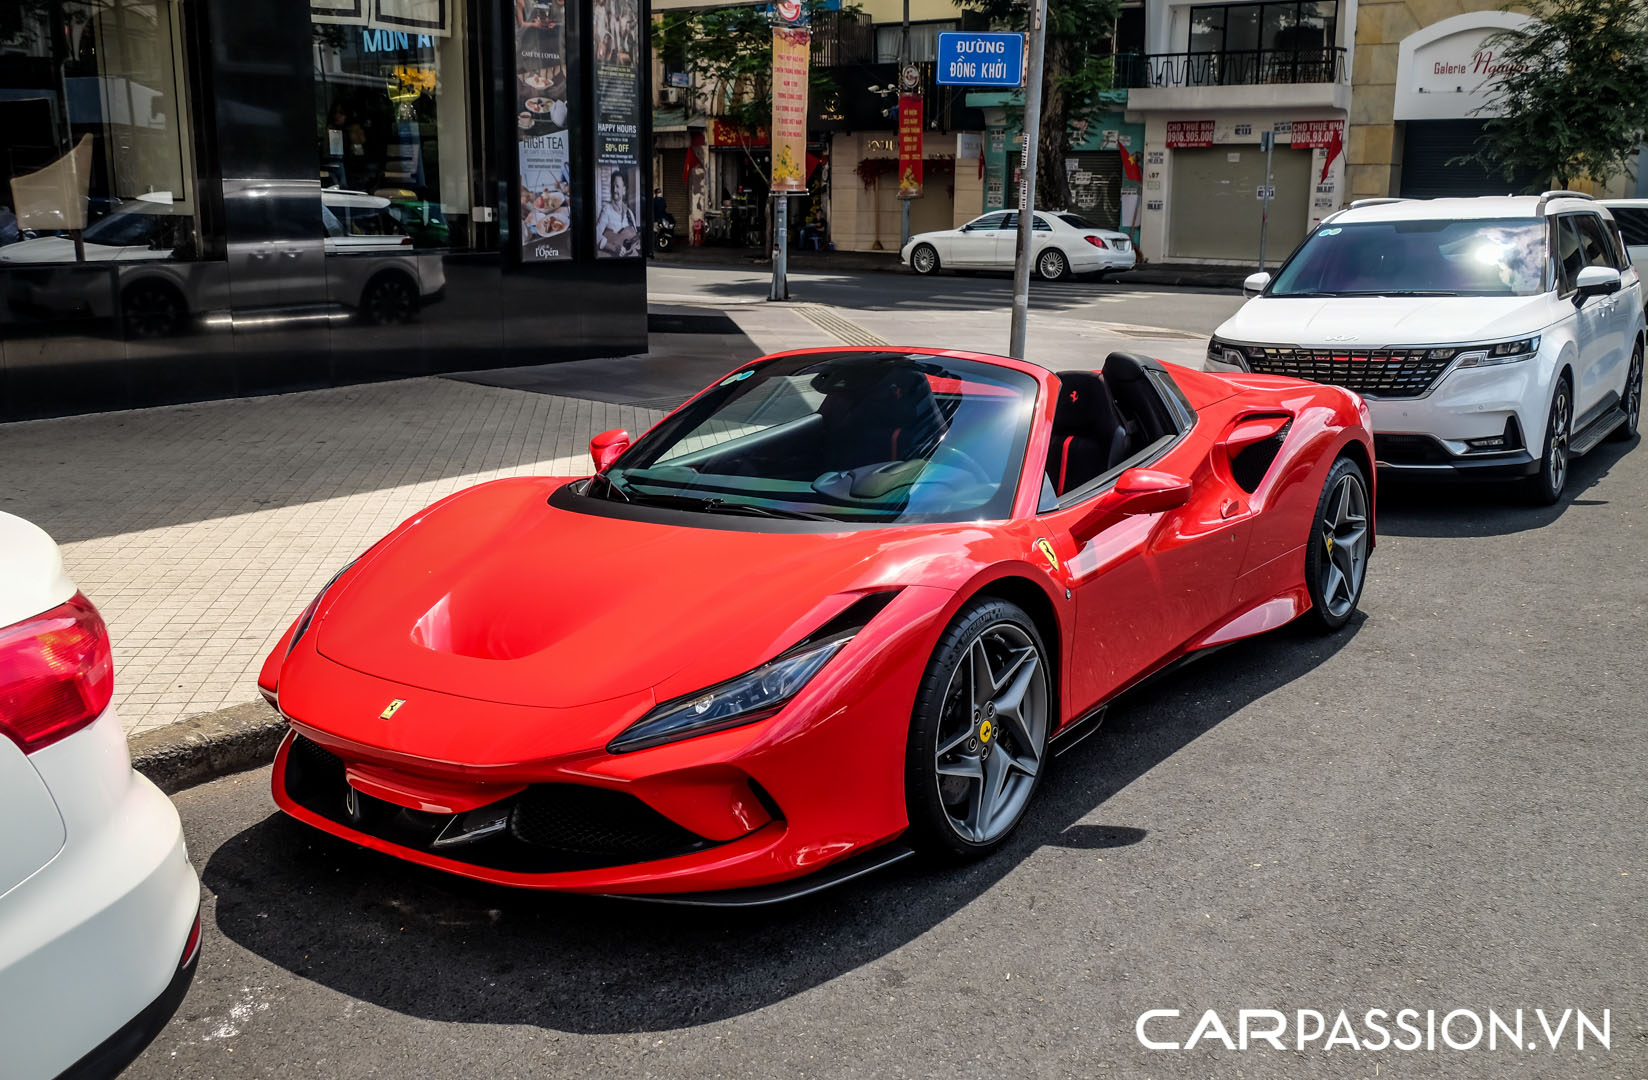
[392, 131]
[95, 127]
[923, 41]
[1270, 27]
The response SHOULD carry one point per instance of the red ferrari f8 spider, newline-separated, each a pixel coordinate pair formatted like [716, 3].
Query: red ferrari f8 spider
[839, 607]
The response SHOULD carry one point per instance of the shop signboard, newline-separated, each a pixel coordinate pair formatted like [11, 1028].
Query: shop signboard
[542, 136]
[621, 45]
[909, 146]
[792, 52]
[973, 59]
[1316, 134]
[1189, 133]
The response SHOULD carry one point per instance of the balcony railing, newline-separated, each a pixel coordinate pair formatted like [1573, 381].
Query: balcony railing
[1250, 67]
[841, 39]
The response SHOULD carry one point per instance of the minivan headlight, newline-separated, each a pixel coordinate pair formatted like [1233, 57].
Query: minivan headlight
[1226, 355]
[1504, 352]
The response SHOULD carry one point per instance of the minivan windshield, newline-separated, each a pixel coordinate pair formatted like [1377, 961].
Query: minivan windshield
[1484, 257]
[876, 437]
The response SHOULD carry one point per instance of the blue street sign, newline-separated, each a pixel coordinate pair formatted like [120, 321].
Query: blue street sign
[981, 60]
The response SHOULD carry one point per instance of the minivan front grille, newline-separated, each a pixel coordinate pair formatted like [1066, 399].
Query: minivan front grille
[1393, 373]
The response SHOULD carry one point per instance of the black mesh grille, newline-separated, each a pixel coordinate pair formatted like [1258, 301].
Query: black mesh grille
[1381, 372]
[553, 827]
[596, 821]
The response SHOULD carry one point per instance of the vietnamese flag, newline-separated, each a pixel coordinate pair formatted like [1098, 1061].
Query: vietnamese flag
[1336, 146]
[1130, 164]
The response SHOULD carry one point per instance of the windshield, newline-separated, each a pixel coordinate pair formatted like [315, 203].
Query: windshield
[851, 437]
[1419, 258]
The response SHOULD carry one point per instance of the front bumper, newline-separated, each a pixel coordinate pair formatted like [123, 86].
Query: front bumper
[771, 802]
[1449, 432]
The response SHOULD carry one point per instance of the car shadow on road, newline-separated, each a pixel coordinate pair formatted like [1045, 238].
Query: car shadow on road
[1489, 509]
[438, 947]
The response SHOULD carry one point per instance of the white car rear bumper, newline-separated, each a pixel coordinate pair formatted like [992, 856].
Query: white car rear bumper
[97, 935]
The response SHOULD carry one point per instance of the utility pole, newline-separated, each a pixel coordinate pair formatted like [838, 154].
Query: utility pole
[1268, 140]
[903, 62]
[1027, 179]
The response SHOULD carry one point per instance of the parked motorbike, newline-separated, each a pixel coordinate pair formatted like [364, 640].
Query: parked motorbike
[663, 233]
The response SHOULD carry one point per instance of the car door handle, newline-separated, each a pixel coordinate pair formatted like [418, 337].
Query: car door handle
[260, 255]
[291, 254]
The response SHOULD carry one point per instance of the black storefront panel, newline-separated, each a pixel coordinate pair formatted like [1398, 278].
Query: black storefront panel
[1432, 167]
[272, 203]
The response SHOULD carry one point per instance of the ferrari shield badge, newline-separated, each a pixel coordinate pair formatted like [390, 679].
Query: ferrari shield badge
[1046, 548]
[391, 709]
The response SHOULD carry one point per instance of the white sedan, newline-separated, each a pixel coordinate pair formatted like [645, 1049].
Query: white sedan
[1064, 244]
[99, 907]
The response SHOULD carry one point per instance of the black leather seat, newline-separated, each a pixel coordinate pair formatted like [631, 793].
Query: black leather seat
[1088, 436]
[891, 415]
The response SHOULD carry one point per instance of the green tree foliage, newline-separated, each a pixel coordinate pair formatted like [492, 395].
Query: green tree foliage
[1573, 95]
[1076, 67]
[730, 51]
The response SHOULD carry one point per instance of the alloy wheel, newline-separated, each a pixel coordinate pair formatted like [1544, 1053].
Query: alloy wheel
[1560, 419]
[1052, 265]
[390, 301]
[1633, 393]
[923, 259]
[1345, 537]
[993, 733]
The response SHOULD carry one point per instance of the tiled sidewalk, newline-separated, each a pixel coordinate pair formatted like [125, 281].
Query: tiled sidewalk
[201, 530]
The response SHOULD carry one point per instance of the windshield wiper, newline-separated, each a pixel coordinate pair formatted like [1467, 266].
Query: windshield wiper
[722, 506]
[612, 486]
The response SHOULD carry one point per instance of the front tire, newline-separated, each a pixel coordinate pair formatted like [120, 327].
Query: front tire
[1341, 538]
[924, 259]
[1631, 400]
[978, 735]
[1545, 487]
[1052, 265]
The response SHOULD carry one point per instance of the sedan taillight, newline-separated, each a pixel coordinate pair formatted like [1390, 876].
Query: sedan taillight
[56, 674]
[1096, 241]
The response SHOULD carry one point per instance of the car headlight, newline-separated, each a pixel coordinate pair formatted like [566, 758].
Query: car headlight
[1505, 352]
[308, 615]
[1218, 352]
[752, 696]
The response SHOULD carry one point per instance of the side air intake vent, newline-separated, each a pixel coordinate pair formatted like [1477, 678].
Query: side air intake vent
[1250, 466]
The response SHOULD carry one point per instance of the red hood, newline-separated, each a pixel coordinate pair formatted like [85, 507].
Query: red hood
[495, 594]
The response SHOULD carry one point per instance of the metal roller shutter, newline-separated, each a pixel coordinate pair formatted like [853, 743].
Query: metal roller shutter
[1096, 187]
[675, 192]
[1430, 169]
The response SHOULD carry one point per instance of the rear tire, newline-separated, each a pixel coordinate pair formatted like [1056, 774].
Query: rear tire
[924, 259]
[1052, 265]
[153, 309]
[977, 746]
[1336, 555]
[389, 299]
[1631, 400]
[1545, 487]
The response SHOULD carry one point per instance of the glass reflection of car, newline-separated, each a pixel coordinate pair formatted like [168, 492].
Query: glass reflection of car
[423, 220]
[381, 290]
[377, 275]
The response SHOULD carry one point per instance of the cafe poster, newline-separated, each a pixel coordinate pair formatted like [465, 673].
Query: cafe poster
[909, 146]
[792, 52]
[620, 49]
[542, 138]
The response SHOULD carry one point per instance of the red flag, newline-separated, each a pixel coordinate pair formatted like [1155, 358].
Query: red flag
[1336, 146]
[1130, 164]
[691, 159]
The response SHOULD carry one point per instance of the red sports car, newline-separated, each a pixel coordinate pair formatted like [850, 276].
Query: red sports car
[839, 607]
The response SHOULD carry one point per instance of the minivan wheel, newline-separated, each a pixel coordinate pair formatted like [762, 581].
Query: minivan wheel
[389, 299]
[1631, 402]
[1545, 487]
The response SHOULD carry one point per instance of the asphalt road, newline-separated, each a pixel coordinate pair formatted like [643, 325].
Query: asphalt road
[1193, 310]
[1440, 808]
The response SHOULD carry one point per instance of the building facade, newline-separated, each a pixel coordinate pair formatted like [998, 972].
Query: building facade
[1214, 81]
[209, 198]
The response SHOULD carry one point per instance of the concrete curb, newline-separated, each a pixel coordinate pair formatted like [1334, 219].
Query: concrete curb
[208, 746]
[1168, 275]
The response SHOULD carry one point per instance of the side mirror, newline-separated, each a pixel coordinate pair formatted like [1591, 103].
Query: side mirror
[1254, 284]
[1137, 492]
[1596, 281]
[605, 448]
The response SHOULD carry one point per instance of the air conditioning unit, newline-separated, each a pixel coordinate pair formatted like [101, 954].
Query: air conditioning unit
[672, 95]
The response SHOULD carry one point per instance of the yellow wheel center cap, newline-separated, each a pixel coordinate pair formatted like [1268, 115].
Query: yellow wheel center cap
[985, 730]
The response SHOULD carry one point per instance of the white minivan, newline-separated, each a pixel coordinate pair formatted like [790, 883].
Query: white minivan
[1497, 336]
